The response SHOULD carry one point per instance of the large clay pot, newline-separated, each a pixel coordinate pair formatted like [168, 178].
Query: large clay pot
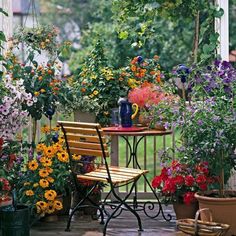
[223, 210]
[184, 211]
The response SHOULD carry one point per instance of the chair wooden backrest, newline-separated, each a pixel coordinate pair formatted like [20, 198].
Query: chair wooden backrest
[85, 139]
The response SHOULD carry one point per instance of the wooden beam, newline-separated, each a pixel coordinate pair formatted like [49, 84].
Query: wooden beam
[222, 27]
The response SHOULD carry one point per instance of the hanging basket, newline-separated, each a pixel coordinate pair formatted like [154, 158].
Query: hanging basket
[202, 228]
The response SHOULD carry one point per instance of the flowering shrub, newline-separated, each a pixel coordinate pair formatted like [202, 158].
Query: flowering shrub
[97, 87]
[47, 176]
[142, 70]
[179, 182]
[208, 123]
[4, 189]
[13, 98]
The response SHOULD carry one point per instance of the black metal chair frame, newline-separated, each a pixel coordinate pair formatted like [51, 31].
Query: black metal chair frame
[119, 202]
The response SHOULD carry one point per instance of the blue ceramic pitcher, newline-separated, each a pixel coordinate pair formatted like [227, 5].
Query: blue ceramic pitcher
[126, 113]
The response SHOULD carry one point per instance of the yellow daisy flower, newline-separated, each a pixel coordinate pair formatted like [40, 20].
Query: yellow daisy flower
[47, 162]
[33, 165]
[50, 209]
[76, 157]
[42, 205]
[50, 179]
[26, 183]
[50, 195]
[56, 128]
[57, 205]
[58, 146]
[49, 151]
[40, 147]
[45, 129]
[63, 156]
[35, 185]
[61, 140]
[43, 159]
[49, 169]
[43, 173]
[43, 183]
[95, 92]
[29, 193]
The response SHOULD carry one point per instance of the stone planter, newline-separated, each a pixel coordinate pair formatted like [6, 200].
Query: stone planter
[84, 116]
[223, 209]
[184, 211]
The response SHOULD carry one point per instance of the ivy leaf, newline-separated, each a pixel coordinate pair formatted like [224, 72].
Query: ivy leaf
[2, 36]
[219, 13]
[3, 12]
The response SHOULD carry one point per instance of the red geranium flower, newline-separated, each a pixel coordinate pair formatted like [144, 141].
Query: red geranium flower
[156, 182]
[189, 180]
[189, 197]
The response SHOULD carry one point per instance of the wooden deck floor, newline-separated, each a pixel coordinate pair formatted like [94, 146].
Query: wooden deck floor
[125, 224]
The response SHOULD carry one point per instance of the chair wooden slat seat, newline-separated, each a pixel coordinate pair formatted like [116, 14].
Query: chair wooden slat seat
[118, 174]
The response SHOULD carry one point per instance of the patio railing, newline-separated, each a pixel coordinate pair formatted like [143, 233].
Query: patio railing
[148, 156]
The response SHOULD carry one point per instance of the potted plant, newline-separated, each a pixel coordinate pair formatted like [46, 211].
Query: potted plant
[97, 86]
[177, 184]
[207, 125]
[12, 118]
[47, 178]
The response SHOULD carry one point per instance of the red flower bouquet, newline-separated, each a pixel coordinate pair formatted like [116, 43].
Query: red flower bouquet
[179, 182]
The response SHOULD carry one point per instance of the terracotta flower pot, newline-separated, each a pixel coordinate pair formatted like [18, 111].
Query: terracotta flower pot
[223, 209]
[184, 211]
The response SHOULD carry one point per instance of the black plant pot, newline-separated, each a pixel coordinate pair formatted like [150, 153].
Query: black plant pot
[15, 223]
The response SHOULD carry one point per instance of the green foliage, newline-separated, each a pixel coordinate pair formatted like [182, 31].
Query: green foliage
[97, 83]
[141, 22]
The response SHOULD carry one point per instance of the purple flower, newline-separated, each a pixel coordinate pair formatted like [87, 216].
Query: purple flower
[200, 122]
[217, 63]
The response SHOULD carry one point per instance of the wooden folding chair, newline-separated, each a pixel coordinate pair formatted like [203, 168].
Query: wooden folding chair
[88, 139]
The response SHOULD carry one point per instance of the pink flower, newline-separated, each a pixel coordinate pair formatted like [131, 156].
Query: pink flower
[146, 96]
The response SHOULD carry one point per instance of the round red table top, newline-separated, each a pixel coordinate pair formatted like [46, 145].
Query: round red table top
[134, 131]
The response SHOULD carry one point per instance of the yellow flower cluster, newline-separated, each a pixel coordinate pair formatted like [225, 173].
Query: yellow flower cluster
[43, 175]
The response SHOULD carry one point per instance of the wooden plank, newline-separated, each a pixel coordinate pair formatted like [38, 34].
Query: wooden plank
[79, 124]
[118, 173]
[86, 145]
[124, 169]
[76, 130]
[91, 178]
[91, 139]
[104, 175]
[89, 152]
